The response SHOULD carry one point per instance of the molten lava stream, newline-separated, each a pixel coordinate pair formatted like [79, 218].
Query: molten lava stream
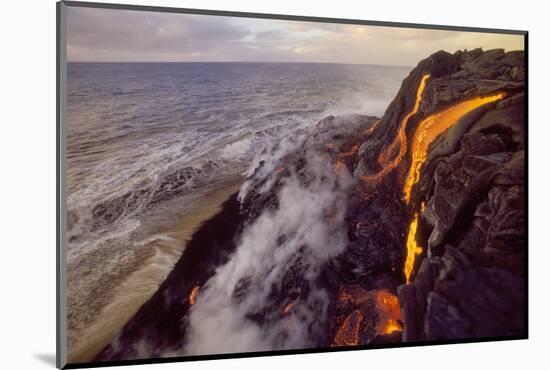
[412, 248]
[193, 295]
[288, 308]
[349, 332]
[389, 312]
[400, 139]
[371, 129]
[385, 318]
[427, 131]
[431, 127]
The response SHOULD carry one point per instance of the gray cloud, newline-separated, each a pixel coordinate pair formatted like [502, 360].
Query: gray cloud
[271, 35]
[142, 35]
[121, 35]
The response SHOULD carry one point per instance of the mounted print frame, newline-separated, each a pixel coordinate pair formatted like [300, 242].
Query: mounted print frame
[238, 184]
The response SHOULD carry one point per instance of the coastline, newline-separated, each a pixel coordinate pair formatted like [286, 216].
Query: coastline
[162, 252]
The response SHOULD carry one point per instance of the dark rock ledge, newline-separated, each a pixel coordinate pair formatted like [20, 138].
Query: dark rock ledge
[472, 284]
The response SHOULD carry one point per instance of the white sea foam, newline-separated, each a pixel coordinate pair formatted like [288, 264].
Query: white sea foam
[237, 149]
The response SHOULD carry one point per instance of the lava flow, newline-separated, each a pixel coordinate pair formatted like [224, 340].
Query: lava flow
[412, 248]
[430, 128]
[193, 295]
[288, 308]
[373, 313]
[372, 128]
[389, 312]
[400, 139]
[349, 332]
[427, 131]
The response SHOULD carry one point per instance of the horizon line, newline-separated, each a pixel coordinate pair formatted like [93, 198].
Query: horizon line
[239, 61]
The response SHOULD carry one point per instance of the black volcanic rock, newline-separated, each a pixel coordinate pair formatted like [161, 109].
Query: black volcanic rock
[453, 298]
[468, 282]
[472, 285]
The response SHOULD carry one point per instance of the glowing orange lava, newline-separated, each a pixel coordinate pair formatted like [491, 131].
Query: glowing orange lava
[193, 295]
[430, 128]
[288, 308]
[375, 312]
[400, 139]
[372, 128]
[348, 333]
[426, 133]
[389, 312]
[412, 248]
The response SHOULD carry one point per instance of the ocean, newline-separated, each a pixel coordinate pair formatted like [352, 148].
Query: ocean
[150, 144]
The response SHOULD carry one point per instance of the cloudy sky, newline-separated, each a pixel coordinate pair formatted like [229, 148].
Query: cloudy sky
[124, 35]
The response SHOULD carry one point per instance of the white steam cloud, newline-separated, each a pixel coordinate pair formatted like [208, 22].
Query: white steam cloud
[271, 158]
[305, 230]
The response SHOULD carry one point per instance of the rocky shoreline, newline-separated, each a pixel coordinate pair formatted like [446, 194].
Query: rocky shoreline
[433, 226]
